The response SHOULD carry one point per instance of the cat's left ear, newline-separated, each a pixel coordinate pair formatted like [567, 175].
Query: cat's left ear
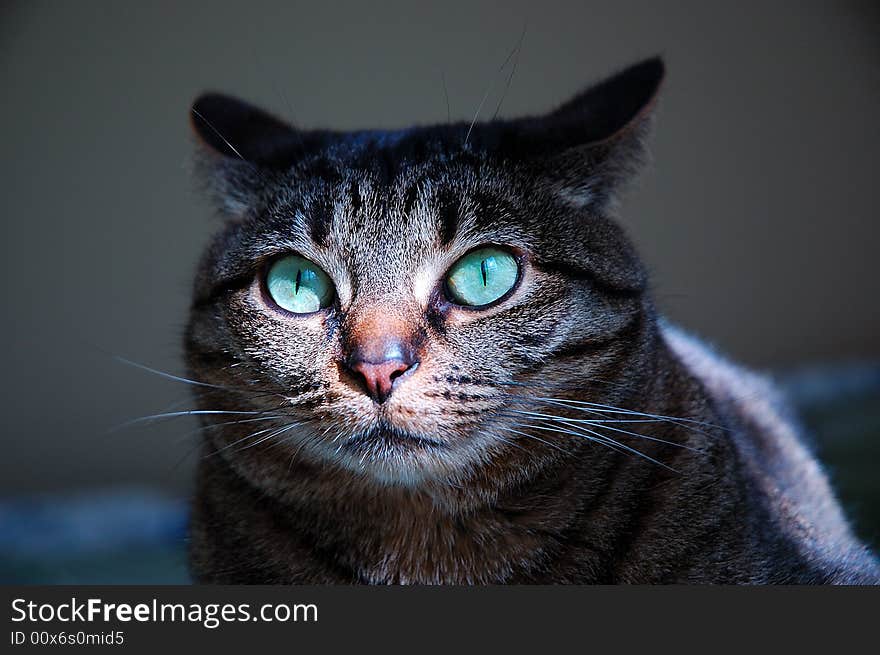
[595, 142]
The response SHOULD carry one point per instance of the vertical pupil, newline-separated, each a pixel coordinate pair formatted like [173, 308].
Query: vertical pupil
[298, 280]
[484, 270]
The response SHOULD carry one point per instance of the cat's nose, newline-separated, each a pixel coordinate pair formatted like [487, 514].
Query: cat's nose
[380, 365]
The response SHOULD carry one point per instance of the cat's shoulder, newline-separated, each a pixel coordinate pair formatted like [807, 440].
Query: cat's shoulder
[770, 441]
[751, 391]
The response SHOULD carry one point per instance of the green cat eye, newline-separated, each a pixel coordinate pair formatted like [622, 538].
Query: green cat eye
[482, 276]
[298, 285]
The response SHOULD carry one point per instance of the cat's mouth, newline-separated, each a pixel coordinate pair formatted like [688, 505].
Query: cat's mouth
[385, 435]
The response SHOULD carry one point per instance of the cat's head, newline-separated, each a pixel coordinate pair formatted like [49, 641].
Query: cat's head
[393, 302]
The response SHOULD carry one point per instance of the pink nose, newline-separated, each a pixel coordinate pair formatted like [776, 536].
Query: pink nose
[379, 377]
[379, 349]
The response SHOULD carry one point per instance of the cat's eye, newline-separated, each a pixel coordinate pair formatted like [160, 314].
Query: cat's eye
[482, 277]
[298, 285]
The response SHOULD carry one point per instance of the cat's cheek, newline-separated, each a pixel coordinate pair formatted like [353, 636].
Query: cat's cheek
[286, 345]
[252, 311]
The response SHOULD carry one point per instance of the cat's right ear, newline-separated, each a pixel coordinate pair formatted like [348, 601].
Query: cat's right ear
[230, 127]
[240, 146]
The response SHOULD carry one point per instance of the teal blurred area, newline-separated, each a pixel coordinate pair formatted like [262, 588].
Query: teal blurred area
[114, 536]
[138, 536]
[840, 410]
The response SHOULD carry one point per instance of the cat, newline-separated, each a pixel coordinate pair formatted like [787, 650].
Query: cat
[431, 356]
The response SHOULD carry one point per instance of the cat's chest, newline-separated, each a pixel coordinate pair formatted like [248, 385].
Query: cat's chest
[410, 548]
[460, 554]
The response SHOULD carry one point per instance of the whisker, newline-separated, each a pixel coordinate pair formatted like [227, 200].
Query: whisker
[512, 72]
[558, 430]
[255, 393]
[169, 376]
[206, 427]
[561, 385]
[489, 90]
[597, 408]
[603, 439]
[188, 412]
[295, 453]
[211, 426]
[184, 457]
[531, 436]
[280, 92]
[239, 441]
[274, 434]
[592, 421]
[446, 95]
[606, 439]
[509, 442]
[582, 406]
[604, 424]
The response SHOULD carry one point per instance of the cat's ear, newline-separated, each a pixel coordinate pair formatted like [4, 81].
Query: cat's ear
[230, 127]
[595, 142]
[240, 148]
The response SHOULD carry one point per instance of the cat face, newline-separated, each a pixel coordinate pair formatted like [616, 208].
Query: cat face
[389, 303]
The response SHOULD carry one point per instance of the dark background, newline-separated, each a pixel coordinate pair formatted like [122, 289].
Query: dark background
[757, 217]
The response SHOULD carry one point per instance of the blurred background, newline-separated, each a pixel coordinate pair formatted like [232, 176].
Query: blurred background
[757, 217]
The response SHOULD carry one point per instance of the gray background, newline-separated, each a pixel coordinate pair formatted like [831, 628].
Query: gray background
[757, 218]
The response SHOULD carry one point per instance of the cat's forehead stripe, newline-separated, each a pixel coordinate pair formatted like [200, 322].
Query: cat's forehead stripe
[318, 219]
[354, 192]
[448, 209]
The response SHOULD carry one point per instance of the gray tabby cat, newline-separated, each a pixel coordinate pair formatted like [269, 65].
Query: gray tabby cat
[431, 356]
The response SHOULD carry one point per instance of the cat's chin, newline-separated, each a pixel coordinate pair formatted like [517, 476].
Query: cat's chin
[396, 456]
[389, 437]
